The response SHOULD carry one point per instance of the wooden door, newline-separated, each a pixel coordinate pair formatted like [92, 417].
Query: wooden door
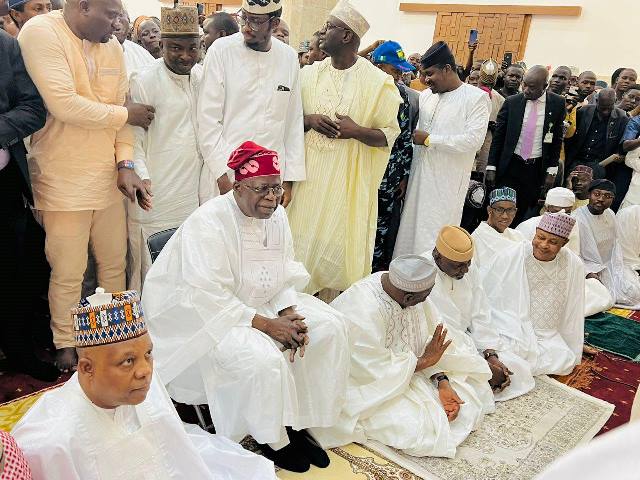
[212, 7]
[498, 33]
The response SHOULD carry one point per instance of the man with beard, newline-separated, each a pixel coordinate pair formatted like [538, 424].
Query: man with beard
[166, 154]
[135, 57]
[84, 154]
[512, 80]
[273, 117]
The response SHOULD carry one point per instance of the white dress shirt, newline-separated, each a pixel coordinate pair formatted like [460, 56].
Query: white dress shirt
[536, 152]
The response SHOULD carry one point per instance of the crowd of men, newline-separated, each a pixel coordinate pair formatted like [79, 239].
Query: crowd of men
[360, 245]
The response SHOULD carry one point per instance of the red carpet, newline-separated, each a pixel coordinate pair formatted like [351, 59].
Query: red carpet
[610, 378]
[16, 385]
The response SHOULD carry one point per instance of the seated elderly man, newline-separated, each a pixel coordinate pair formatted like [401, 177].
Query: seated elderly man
[597, 297]
[536, 294]
[494, 235]
[460, 298]
[410, 388]
[114, 420]
[223, 307]
[600, 247]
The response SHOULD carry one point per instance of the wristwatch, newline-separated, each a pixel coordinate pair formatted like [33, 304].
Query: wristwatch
[128, 164]
[439, 378]
[489, 354]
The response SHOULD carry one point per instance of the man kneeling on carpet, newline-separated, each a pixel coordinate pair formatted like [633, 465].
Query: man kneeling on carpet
[114, 420]
[410, 387]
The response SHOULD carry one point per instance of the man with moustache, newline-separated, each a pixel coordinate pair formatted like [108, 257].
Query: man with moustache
[273, 116]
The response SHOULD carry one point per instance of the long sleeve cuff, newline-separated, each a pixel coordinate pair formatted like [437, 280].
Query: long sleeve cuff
[552, 170]
[119, 116]
[246, 319]
[288, 297]
[491, 168]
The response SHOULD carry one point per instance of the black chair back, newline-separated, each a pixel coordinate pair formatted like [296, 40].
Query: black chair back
[157, 241]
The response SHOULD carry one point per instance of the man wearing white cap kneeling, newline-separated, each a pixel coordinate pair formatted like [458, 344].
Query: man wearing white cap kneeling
[114, 420]
[414, 385]
[536, 293]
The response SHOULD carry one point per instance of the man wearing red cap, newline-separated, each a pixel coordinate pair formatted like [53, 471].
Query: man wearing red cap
[227, 320]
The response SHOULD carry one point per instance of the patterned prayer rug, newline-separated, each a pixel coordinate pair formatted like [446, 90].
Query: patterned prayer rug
[519, 440]
[616, 331]
[610, 378]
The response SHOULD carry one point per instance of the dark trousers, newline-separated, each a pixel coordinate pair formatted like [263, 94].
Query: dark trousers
[527, 180]
[22, 274]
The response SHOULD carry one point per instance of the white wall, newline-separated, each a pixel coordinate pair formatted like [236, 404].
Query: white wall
[150, 8]
[602, 39]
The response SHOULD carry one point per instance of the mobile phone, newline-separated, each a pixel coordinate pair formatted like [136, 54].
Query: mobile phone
[200, 8]
[473, 36]
[508, 58]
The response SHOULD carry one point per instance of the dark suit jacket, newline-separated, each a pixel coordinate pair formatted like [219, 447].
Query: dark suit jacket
[509, 124]
[22, 111]
[615, 129]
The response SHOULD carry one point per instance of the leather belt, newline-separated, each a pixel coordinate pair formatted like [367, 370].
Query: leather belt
[528, 161]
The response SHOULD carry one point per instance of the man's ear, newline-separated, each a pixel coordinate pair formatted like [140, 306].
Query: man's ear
[84, 6]
[85, 366]
[275, 23]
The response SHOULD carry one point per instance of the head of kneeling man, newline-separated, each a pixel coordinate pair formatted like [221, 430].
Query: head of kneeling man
[115, 364]
[257, 187]
[502, 208]
[453, 251]
[410, 280]
[552, 234]
[602, 193]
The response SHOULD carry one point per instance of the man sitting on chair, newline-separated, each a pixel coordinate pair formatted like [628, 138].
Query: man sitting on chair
[114, 420]
[223, 305]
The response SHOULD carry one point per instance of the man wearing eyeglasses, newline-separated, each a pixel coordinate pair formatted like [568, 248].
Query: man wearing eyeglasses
[227, 320]
[251, 91]
[600, 248]
[351, 109]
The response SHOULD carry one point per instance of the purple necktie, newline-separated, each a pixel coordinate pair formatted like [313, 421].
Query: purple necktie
[529, 134]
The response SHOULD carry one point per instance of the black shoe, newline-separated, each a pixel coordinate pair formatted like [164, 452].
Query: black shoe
[288, 458]
[310, 447]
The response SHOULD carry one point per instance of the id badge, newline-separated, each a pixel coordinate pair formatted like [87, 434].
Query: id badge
[548, 138]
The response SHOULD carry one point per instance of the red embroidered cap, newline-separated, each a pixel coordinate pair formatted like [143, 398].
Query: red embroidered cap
[251, 160]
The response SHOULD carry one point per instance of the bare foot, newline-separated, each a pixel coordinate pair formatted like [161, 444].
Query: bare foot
[66, 359]
[589, 350]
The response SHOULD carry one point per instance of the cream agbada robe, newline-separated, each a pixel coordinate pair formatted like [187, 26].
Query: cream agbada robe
[386, 400]
[219, 270]
[463, 305]
[488, 242]
[334, 213]
[64, 436]
[538, 307]
[167, 154]
[249, 95]
[602, 254]
[628, 225]
[440, 173]
[597, 296]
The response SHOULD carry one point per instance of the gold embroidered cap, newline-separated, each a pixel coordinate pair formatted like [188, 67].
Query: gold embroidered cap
[179, 22]
[455, 243]
[351, 17]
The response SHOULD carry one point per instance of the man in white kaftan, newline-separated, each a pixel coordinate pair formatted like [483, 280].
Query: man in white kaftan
[251, 91]
[601, 250]
[400, 383]
[225, 279]
[113, 418]
[460, 299]
[559, 199]
[536, 294]
[166, 154]
[136, 57]
[494, 235]
[628, 225]
[451, 128]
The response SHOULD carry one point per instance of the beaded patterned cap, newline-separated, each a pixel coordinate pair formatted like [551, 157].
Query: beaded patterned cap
[504, 194]
[179, 22]
[559, 224]
[120, 320]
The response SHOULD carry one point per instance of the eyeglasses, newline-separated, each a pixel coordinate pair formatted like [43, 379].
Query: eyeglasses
[328, 26]
[605, 196]
[264, 190]
[502, 211]
[253, 24]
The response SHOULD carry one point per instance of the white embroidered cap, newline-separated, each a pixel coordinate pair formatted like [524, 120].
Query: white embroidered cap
[345, 12]
[560, 197]
[412, 273]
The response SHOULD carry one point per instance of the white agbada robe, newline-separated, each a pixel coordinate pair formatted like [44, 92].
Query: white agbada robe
[217, 272]
[64, 436]
[440, 173]
[387, 400]
[167, 154]
[250, 95]
[597, 296]
[136, 58]
[538, 307]
[464, 306]
[632, 160]
[601, 253]
[612, 455]
[628, 225]
[488, 242]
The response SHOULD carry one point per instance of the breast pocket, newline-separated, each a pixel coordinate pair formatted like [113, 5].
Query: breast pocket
[280, 103]
[107, 85]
